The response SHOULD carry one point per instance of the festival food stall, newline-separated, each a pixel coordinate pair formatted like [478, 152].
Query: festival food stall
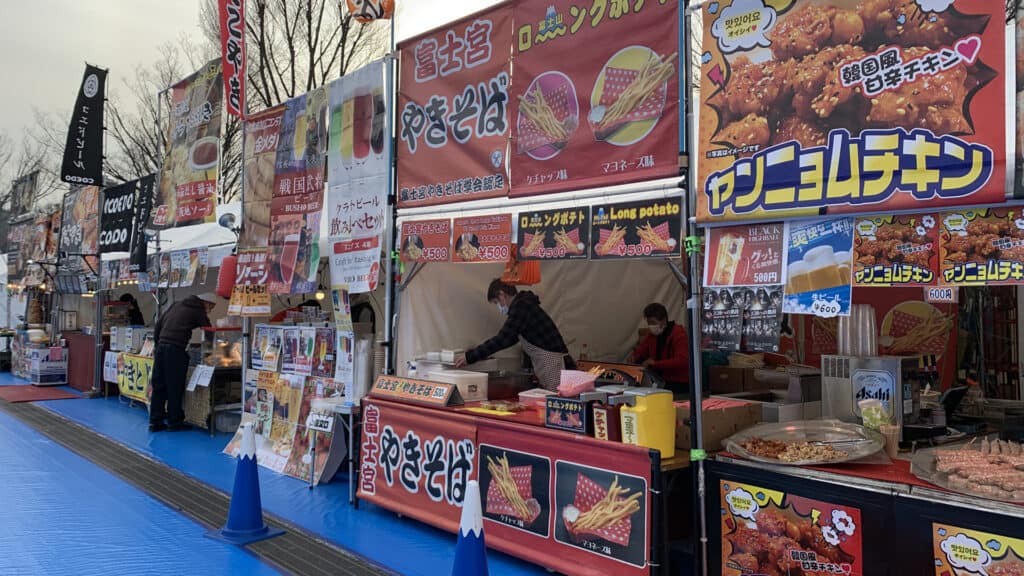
[885, 413]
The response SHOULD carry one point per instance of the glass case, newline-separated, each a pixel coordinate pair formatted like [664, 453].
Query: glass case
[222, 347]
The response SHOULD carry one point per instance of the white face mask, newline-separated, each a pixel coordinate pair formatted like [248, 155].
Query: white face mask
[503, 309]
[656, 329]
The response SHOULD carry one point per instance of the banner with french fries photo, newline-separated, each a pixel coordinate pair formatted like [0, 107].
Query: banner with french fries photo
[554, 234]
[595, 94]
[643, 229]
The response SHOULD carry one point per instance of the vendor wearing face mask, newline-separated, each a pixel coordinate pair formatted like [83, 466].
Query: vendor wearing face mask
[666, 350]
[528, 323]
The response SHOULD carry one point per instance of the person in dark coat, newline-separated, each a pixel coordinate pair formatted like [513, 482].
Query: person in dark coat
[135, 317]
[172, 334]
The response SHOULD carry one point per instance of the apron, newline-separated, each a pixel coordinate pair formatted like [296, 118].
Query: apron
[546, 365]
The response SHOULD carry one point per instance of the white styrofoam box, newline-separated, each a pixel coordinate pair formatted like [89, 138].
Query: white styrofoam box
[472, 385]
[451, 355]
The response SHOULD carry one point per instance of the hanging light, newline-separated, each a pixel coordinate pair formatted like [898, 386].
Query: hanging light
[320, 295]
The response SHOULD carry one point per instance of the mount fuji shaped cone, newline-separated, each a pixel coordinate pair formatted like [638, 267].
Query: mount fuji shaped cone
[471, 552]
[245, 517]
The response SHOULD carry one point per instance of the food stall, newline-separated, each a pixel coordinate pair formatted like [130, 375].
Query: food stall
[890, 443]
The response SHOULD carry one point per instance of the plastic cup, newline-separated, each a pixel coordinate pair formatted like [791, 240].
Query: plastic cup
[891, 432]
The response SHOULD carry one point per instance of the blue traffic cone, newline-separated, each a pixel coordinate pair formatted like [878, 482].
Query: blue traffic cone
[245, 517]
[471, 552]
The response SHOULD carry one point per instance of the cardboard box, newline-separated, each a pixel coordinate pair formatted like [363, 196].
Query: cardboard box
[727, 380]
[720, 419]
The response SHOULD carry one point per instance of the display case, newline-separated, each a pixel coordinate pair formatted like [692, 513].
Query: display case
[222, 347]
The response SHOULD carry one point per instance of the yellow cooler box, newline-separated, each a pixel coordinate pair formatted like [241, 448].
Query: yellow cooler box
[648, 419]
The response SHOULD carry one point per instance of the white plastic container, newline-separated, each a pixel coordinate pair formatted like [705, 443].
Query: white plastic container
[451, 355]
[536, 398]
[472, 385]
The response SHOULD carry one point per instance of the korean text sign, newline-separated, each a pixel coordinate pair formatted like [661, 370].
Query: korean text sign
[647, 228]
[554, 234]
[818, 260]
[607, 114]
[453, 116]
[960, 551]
[482, 238]
[893, 110]
[745, 255]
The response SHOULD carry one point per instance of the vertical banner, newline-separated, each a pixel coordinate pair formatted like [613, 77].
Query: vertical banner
[356, 263]
[482, 238]
[187, 189]
[745, 255]
[366, 11]
[896, 250]
[453, 116]
[23, 194]
[79, 231]
[554, 234]
[116, 217]
[358, 147]
[298, 195]
[818, 275]
[637, 229]
[232, 43]
[83, 151]
[143, 205]
[771, 532]
[608, 114]
[793, 120]
[426, 241]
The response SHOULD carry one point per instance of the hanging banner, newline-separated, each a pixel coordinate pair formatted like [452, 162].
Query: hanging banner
[607, 115]
[83, 151]
[982, 247]
[482, 238]
[358, 120]
[116, 217]
[771, 532]
[33, 249]
[426, 241]
[896, 250]
[453, 116]
[745, 255]
[133, 377]
[232, 44]
[637, 229]
[140, 242]
[554, 234]
[23, 194]
[262, 137]
[895, 109]
[722, 328]
[962, 552]
[79, 232]
[366, 11]
[358, 209]
[187, 191]
[818, 261]
[356, 263]
[298, 195]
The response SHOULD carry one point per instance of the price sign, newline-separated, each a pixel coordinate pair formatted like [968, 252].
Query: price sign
[320, 422]
[826, 308]
[941, 294]
[200, 377]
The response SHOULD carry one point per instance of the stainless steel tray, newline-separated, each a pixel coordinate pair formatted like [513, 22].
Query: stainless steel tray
[857, 441]
[923, 466]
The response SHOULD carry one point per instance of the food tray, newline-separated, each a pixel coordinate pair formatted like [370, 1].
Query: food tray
[857, 441]
[923, 467]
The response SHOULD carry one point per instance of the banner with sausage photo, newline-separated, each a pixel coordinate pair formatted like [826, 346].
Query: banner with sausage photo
[608, 114]
[896, 250]
[187, 189]
[752, 255]
[453, 111]
[643, 229]
[554, 234]
[982, 247]
[808, 107]
[818, 275]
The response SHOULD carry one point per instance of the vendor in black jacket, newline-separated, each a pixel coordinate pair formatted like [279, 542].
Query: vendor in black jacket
[529, 324]
[172, 333]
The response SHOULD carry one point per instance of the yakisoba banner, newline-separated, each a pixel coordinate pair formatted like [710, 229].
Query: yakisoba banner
[848, 106]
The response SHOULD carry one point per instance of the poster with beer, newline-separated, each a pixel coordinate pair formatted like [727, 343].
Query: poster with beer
[818, 275]
[187, 189]
[811, 107]
[982, 247]
[751, 255]
[896, 250]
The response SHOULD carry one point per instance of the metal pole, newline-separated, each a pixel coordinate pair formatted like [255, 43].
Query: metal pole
[389, 242]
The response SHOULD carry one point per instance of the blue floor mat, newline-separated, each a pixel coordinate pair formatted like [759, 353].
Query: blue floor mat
[65, 515]
[371, 532]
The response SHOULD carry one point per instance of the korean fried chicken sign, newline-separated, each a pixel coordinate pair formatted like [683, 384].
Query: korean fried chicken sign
[850, 106]
[453, 120]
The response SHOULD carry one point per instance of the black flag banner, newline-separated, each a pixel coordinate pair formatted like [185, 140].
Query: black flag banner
[143, 206]
[83, 153]
[116, 217]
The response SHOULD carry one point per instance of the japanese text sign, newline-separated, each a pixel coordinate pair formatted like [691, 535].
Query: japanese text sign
[482, 238]
[818, 275]
[745, 255]
[647, 228]
[554, 234]
[232, 41]
[981, 247]
[416, 391]
[609, 113]
[453, 116]
[133, 377]
[891, 111]
[357, 264]
[426, 241]
[83, 150]
[896, 250]
[262, 137]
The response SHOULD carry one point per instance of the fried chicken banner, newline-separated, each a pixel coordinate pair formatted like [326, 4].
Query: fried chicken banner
[896, 250]
[982, 247]
[852, 106]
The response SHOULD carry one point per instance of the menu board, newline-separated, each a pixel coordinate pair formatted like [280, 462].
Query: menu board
[843, 107]
[982, 247]
[426, 241]
[647, 228]
[554, 234]
[896, 250]
[745, 255]
[482, 238]
[818, 276]
[771, 532]
[606, 115]
[961, 552]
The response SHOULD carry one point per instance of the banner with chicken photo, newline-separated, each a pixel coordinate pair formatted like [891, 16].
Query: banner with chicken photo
[981, 247]
[896, 250]
[807, 107]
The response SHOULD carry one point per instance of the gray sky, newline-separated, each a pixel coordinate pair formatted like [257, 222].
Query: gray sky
[46, 42]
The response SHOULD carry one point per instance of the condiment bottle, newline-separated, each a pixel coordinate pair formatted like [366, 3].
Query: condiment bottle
[606, 418]
[648, 419]
[591, 400]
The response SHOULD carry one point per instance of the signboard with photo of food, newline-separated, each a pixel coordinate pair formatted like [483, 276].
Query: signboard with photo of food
[809, 107]
[962, 552]
[818, 275]
[426, 241]
[643, 229]
[554, 234]
[896, 250]
[750, 255]
[482, 238]
[982, 247]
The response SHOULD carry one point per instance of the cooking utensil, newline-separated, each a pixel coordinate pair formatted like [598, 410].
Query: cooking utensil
[862, 442]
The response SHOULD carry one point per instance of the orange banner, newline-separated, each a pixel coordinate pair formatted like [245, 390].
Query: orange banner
[482, 238]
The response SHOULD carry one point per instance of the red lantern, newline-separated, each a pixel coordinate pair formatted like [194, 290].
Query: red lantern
[227, 275]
